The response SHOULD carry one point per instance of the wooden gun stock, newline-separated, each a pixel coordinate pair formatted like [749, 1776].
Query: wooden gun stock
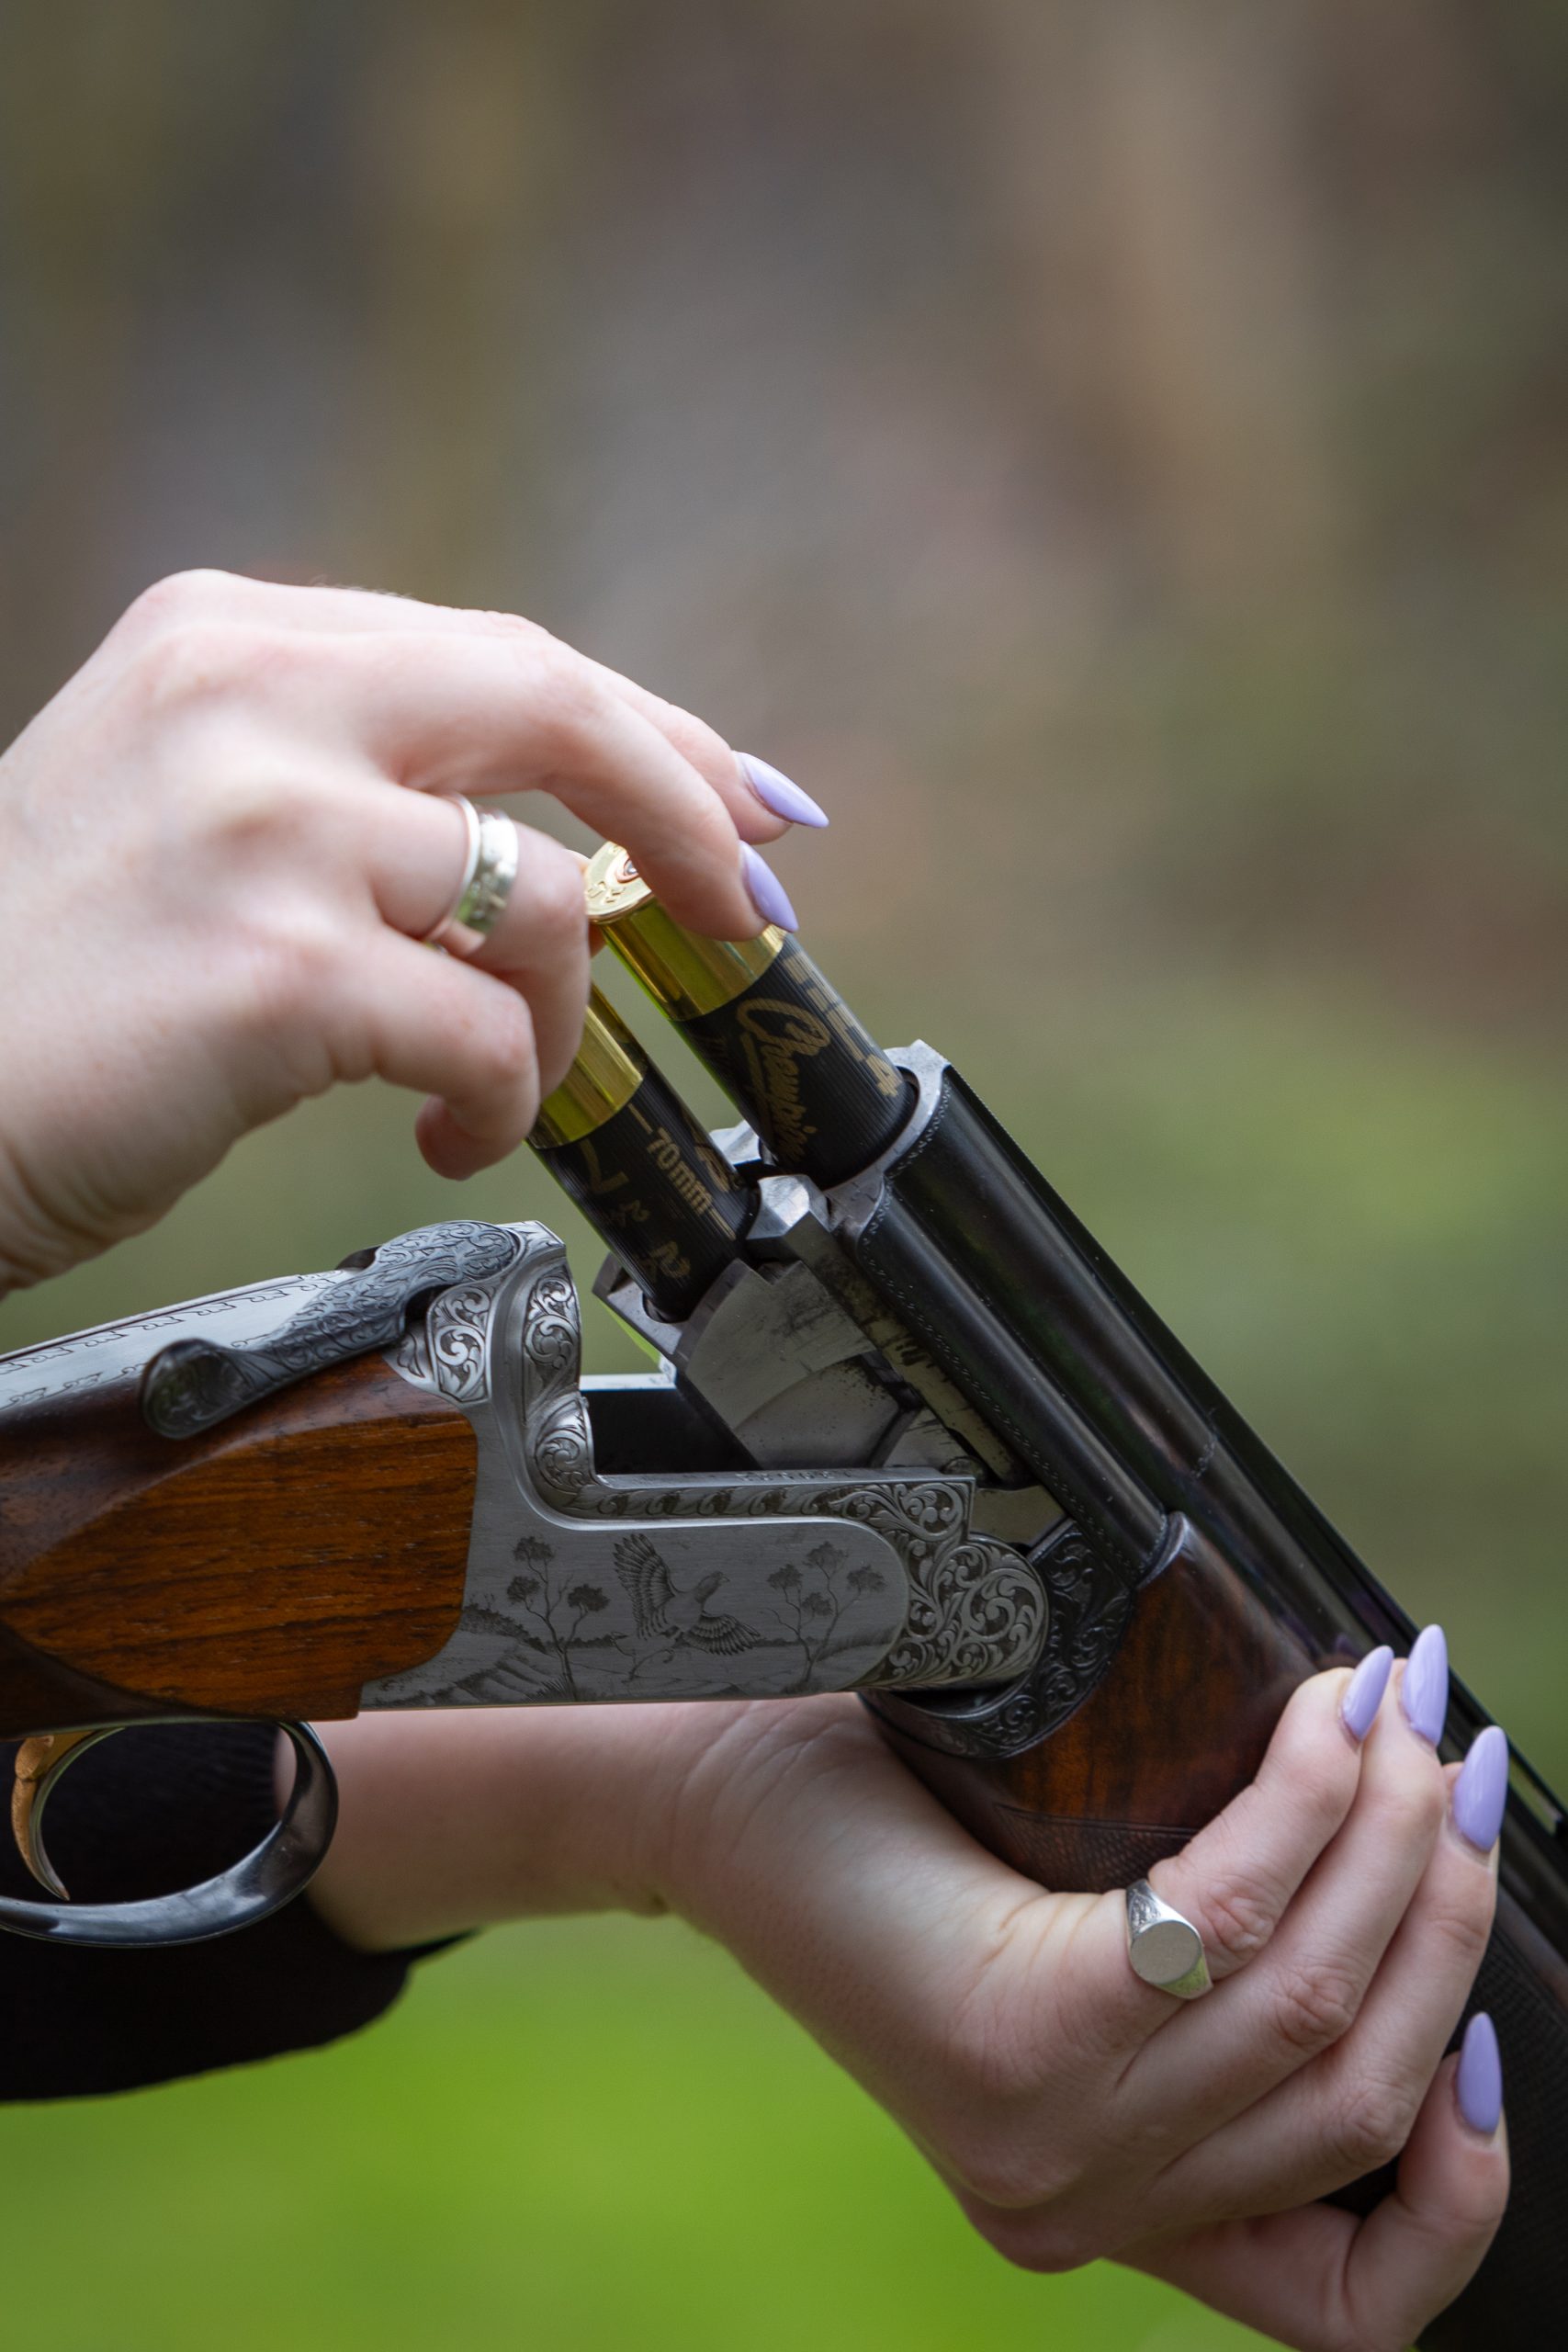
[270, 1567]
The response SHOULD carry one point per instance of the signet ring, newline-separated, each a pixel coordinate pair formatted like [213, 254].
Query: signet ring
[1163, 1945]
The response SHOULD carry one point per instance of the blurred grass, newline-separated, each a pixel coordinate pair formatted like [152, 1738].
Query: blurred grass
[576, 2135]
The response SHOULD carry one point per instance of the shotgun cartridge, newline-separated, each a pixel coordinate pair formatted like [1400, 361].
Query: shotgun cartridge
[640, 1167]
[781, 1041]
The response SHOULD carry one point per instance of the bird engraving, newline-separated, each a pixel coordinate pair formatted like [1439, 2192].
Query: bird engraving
[661, 1613]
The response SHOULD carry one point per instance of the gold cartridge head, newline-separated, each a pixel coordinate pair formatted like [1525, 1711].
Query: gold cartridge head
[820, 1093]
[607, 1071]
[641, 1168]
[685, 974]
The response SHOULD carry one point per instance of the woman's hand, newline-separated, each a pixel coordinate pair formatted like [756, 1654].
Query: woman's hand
[223, 839]
[1074, 2110]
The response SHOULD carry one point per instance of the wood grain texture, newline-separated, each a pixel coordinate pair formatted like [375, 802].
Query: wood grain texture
[1176, 1728]
[269, 1567]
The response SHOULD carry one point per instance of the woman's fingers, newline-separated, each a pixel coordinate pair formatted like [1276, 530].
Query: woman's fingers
[763, 803]
[1414, 2253]
[1353, 2108]
[237, 753]
[1320, 2279]
[194, 597]
[454, 713]
[539, 944]
[459, 1035]
[1303, 1993]
[346, 695]
[1236, 1878]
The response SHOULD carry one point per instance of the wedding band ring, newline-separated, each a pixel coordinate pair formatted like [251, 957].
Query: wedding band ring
[490, 869]
[1163, 1945]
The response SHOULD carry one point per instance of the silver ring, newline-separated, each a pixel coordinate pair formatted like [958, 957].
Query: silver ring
[1163, 1945]
[490, 869]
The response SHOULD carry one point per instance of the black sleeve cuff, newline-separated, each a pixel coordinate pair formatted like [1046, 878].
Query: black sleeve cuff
[148, 1811]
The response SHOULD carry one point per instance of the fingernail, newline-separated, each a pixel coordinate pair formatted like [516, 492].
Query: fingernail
[768, 894]
[1481, 1788]
[1364, 1695]
[1478, 2086]
[1424, 1693]
[777, 794]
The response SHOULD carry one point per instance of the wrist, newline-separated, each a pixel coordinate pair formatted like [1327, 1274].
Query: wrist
[755, 1790]
[458, 1820]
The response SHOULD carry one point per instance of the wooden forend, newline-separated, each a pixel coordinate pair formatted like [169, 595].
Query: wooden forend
[1177, 1727]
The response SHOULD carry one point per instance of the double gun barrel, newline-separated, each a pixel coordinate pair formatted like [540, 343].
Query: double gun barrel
[823, 1099]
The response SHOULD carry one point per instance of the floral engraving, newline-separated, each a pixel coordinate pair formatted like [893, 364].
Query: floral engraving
[1090, 1605]
[455, 1331]
[974, 1606]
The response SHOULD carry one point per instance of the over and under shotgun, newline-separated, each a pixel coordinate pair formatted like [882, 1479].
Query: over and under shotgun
[913, 1435]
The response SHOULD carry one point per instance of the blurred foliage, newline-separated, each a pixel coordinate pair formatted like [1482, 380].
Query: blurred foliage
[1116, 457]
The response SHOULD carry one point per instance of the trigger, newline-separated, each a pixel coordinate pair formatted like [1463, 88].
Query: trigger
[40, 1763]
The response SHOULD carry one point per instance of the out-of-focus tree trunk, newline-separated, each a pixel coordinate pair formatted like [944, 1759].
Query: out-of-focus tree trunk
[87, 161]
[1156, 171]
[463, 123]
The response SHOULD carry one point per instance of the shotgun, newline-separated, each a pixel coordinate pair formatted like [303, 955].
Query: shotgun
[912, 1434]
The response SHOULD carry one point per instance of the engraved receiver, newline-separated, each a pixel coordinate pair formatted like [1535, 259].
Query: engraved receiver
[388, 1486]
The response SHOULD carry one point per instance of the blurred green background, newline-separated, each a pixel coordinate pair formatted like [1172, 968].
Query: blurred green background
[1116, 456]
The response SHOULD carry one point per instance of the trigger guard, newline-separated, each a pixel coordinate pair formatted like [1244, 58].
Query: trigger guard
[261, 1881]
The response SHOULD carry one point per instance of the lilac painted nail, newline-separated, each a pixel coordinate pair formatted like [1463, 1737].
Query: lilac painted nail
[1364, 1695]
[1481, 1788]
[768, 893]
[1478, 2086]
[1424, 1693]
[777, 794]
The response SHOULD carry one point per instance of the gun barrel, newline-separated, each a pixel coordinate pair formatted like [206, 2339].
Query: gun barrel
[621, 1143]
[779, 1038]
